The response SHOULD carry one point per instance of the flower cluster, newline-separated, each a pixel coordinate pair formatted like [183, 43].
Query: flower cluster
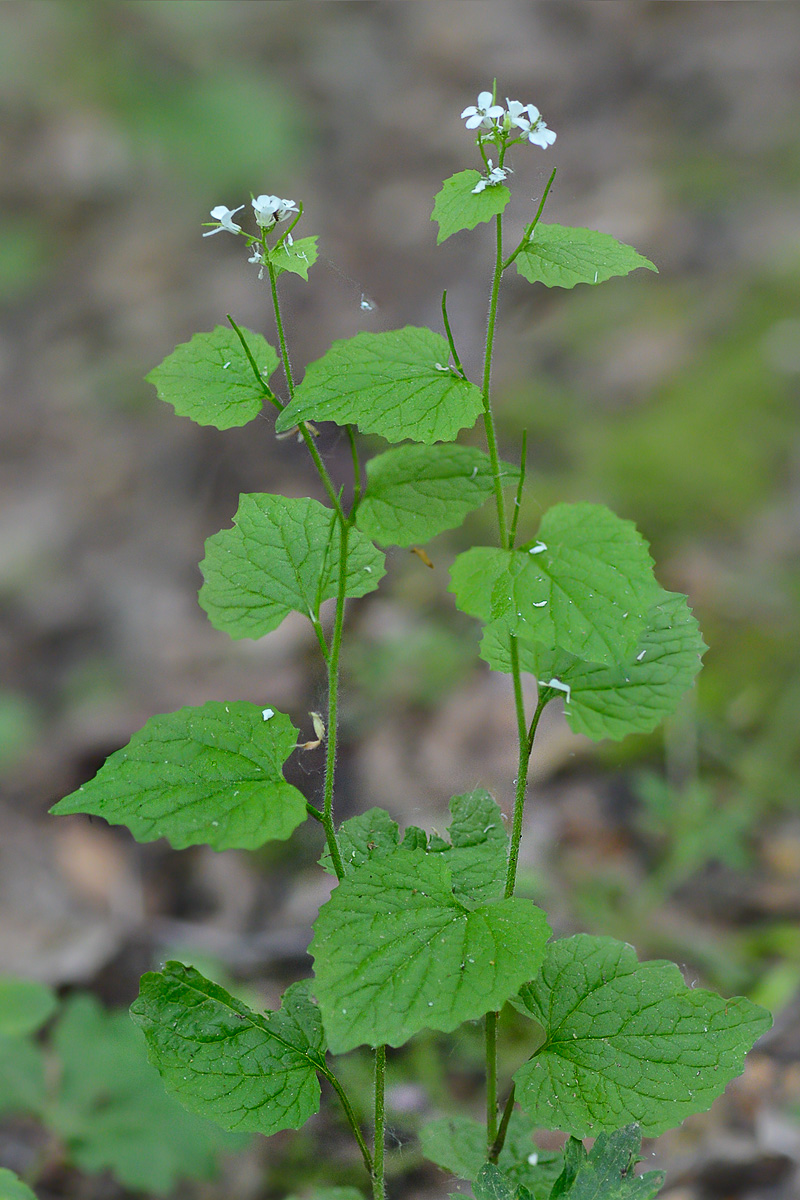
[521, 122]
[268, 210]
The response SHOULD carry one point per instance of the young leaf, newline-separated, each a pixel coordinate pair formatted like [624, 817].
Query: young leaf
[242, 1069]
[22, 1076]
[397, 384]
[210, 378]
[458, 207]
[396, 951]
[559, 256]
[200, 776]
[415, 492]
[607, 1170]
[585, 585]
[613, 701]
[12, 1187]
[458, 1145]
[626, 1041]
[24, 1005]
[280, 556]
[493, 1184]
[112, 1111]
[370, 834]
[479, 855]
[297, 258]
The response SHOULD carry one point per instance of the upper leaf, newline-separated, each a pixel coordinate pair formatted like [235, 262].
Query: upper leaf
[559, 256]
[415, 492]
[211, 380]
[477, 852]
[23, 1086]
[606, 1171]
[585, 585]
[457, 207]
[396, 951]
[626, 1041]
[297, 257]
[458, 1144]
[24, 1005]
[281, 555]
[613, 701]
[111, 1109]
[396, 384]
[210, 775]
[242, 1069]
[370, 834]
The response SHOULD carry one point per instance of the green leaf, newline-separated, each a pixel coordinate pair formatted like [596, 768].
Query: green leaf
[492, 1184]
[626, 1041]
[606, 1171]
[242, 1069]
[396, 384]
[12, 1187]
[458, 1145]
[369, 835]
[479, 855]
[457, 207]
[112, 1110]
[585, 585]
[613, 701]
[296, 258]
[415, 492]
[200, 776]
[330, 1193]
[24, 1005]
[396, 951]
[22, 1076]
[281, 556]
[559, 256]
[210, 379]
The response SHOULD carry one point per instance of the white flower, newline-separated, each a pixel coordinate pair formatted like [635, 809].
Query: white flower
[495, 175]
[483, 113]
[529, 120]
[224, 218]
[270, 209]
[258, 257]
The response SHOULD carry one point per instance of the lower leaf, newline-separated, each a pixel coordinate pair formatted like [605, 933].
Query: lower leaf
[626, 1041]
[224, 1061]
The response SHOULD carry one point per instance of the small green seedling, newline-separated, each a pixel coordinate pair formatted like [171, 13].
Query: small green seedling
[424, 932]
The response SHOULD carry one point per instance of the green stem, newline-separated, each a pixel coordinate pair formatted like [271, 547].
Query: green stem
[378, 1183]
[523, 457]
[313, 811]
[351, 1117]
[449, 333]
[356, 471]
[491, 1078]
[333, 705]
[526, 237]
[262, 383]
[499, 1141]
[525, 747]
[287, 366]
[488, 419]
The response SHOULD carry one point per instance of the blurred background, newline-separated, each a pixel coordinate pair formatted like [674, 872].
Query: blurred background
[672, 398]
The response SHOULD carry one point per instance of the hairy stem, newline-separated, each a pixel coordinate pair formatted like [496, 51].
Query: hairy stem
[378, 1183]
[525, 747]
[491, 1078]
[499, 1141]
[488, 418]
[351, 1118]
[333, 709]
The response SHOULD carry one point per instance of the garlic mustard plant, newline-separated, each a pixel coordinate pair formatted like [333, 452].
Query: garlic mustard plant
[423, 931]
